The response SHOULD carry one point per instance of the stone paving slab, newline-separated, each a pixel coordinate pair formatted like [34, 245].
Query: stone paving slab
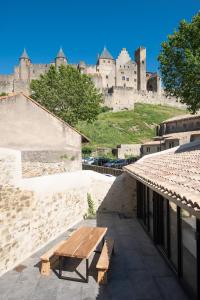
[137, 270]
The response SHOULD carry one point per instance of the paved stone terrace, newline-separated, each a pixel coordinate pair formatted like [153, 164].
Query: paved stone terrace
[137, 271]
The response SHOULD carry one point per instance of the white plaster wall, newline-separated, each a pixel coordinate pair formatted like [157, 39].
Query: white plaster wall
[24, 125]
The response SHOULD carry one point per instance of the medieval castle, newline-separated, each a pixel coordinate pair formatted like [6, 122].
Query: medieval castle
[122, 81]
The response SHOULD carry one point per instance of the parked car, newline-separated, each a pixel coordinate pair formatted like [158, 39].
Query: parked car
[88, 160]
[100, 161]
[110, 163]
[85, 159]
[118, 164]
[131, 160]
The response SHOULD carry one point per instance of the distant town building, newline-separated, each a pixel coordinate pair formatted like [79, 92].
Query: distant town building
[174, 132]
[182, 123]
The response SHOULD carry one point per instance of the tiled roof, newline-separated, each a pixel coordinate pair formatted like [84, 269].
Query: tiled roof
[181, 117]
[174, 172]
[178, 135]
[24, 54]
[152, 143]
[106, 54]
[61, 54]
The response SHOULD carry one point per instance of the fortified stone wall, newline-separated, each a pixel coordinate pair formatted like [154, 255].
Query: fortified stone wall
[6, 83]
[35, 211]
[125, 98]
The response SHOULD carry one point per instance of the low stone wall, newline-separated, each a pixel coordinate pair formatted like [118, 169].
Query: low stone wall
[44, 162]
[34, 169]
[103, 170]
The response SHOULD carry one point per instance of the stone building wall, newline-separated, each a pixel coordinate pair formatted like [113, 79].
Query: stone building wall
[124, 150]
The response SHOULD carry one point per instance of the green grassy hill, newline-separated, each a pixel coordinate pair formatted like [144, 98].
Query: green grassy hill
[125, 127]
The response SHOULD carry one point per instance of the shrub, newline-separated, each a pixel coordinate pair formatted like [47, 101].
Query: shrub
[91, 208]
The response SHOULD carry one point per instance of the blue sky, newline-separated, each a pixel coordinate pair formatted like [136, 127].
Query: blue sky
[82, 28]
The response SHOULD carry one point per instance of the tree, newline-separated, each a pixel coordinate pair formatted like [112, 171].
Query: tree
[180, 63]
[68, 94]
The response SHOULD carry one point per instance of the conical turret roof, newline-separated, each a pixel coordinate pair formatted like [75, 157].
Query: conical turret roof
[61, 54]
[24, 54]
[106, 54]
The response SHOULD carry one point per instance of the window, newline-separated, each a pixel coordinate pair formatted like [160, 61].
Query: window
[123, 77]
[122, 72]
[127, 79]
[142, 61]
[106, 76]
[148, 149]
[135, 72]
[159, 148]
[108, 61]
[184, 125]
[135, 80]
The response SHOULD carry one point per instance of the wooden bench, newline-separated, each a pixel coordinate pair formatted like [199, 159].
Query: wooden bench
[104, 260]
[45, 259]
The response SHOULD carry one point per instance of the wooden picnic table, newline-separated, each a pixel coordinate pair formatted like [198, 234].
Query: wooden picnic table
[80, 245]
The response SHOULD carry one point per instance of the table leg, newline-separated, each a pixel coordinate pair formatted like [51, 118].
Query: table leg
[103, 241]
[87, 270]
[60, 266]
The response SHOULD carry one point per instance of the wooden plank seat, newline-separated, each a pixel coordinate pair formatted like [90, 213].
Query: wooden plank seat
[45, 259]
[104, 260]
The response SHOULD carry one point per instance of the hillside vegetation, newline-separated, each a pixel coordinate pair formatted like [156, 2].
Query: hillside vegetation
[125, 127]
